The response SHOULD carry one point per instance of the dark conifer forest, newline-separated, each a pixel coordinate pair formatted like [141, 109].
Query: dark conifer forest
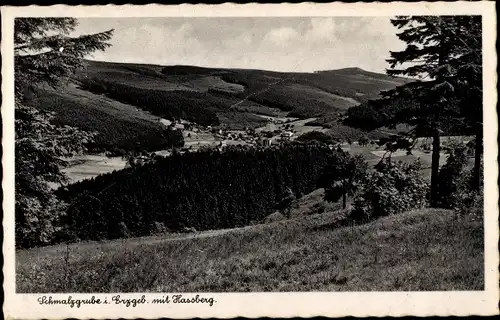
[192, 106]
[204, 190]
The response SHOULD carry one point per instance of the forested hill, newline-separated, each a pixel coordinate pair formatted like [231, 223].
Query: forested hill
[204, 95]
[205, 190]
[124, 102]
[355, 83]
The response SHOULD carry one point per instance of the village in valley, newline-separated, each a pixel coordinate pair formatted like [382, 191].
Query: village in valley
[278, 130]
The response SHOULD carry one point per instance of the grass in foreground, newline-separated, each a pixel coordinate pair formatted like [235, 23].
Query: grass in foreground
[419, 250]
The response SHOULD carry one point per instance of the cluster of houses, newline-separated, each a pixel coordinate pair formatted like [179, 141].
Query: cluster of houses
[177, 124]
[250, 136]
[224, 136]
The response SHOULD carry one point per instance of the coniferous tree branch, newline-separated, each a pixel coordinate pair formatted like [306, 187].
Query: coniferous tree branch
[444, 53]
[44, 54]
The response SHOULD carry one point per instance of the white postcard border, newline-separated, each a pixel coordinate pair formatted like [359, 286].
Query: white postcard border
[251, 305]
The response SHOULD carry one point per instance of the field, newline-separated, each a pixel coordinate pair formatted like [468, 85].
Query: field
[88, 166]
[299, 126]
[419, 250]
[373, 154]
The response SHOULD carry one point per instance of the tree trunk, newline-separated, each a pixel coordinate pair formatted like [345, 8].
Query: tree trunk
[436, 146]
[344, 201]
[477, 157]
[436, 135]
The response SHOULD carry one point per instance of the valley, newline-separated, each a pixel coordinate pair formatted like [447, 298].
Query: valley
[253, 107]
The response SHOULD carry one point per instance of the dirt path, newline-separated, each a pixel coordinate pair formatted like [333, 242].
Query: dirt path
[181, 237]
[129, 243]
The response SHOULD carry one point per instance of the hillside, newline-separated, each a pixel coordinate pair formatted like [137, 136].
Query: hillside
[119, 125]
[124, 102]
[421, 250]
[304, 94]
[205, 190]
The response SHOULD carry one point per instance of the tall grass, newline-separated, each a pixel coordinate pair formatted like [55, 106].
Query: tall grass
[420, 250]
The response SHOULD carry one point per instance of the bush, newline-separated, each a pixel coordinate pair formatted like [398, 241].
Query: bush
[363, 140]
[469, 202]
[123, 231]
[318, 208]
[392, 188]
[325, 206]
[316, 136]
[287, 200]
[274, 217]
[158, 228]
[342, 177]
[464, 199]
[35, 229]
[454, 178]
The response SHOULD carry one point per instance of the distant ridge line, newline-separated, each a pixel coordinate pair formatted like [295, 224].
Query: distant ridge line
[347, 70]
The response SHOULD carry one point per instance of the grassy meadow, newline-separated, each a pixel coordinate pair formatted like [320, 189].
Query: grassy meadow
[420, 250]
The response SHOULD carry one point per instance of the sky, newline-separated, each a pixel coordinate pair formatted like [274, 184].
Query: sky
[293, 44]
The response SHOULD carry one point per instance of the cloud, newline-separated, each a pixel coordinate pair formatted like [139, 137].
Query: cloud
[281, 36]
[321, 29]
[147, 43]
[282, 44]
[241, 41]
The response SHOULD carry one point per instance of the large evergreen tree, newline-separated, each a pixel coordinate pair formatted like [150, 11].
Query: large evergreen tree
[44, 55]
[469, 83]
[436, 52]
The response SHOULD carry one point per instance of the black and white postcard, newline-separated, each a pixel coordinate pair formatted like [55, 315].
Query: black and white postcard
[285, 160]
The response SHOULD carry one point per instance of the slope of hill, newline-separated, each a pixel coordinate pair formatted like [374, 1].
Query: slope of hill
[205, 190]
[357, 83]
[123, 102]
[305, 94]
[195, 106]
[425, 250]
[119, 125]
